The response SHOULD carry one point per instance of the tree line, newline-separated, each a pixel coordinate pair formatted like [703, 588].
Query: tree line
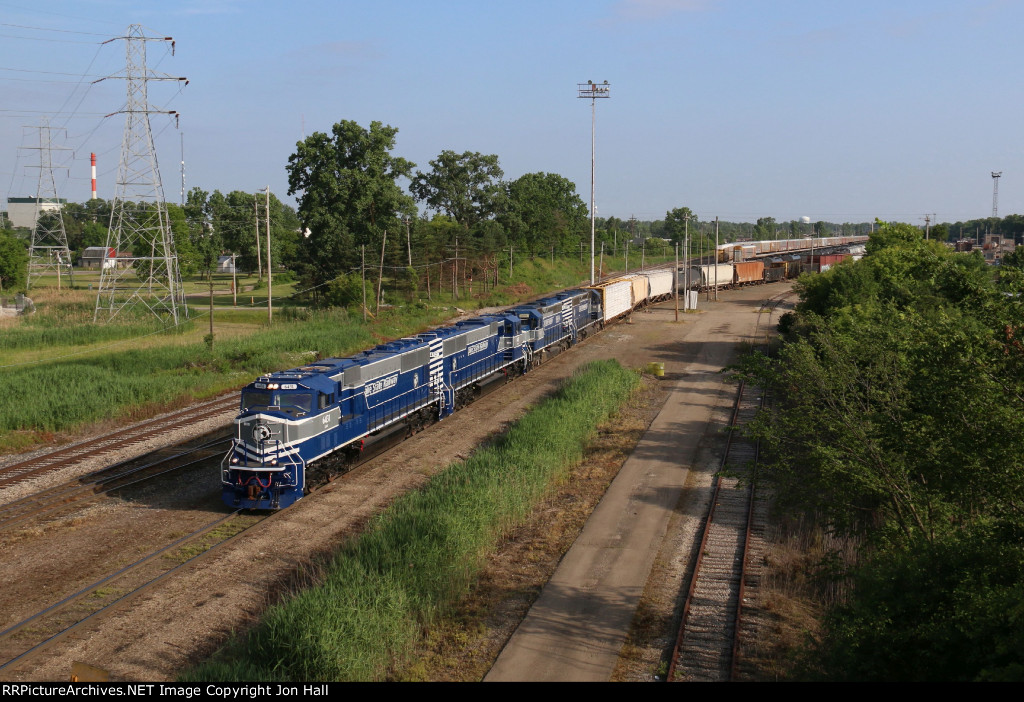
[899, 422]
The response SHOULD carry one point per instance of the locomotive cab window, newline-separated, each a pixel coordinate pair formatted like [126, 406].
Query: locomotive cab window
[252, 399]
[294, 401]
[325, 401]
[290, 402]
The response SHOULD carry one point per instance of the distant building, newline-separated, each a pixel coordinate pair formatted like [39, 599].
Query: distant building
[97, 257]
[103, 258]
[226, 264]
[22, 211]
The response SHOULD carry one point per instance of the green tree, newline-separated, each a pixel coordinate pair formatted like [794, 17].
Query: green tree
[676, 224]
[189, 254]
[764, 230]
[1014, 259]
[347, 195]
[544, 210]
[13, 260]
[464, 186]
[233, 218]
[86, 223]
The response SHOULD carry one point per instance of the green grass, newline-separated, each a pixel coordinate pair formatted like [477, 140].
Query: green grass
[417, 559]
[67, 321]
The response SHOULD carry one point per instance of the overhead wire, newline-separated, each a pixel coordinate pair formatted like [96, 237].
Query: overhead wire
[49, 29]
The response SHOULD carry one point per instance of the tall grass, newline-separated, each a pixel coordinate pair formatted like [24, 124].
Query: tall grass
[62, 394]
[418, 558]
[68, 321]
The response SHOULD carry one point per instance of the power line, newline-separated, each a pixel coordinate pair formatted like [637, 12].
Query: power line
[48, 73]
[58, 41]
[48, 29]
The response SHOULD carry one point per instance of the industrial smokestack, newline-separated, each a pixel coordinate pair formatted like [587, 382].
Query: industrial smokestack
[92, 157]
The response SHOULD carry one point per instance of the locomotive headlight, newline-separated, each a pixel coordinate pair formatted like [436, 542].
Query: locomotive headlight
[273, 462]
[234, 460]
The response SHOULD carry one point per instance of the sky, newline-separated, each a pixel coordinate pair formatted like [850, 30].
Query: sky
[835, 110]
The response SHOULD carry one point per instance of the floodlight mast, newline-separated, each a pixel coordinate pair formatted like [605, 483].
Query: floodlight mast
[995, 193]
[592, 90]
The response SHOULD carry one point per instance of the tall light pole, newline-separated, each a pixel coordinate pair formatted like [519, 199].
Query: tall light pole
[592, 90]
[995, 193]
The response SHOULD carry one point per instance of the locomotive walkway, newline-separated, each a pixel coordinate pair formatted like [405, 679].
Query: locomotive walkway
[577, 627]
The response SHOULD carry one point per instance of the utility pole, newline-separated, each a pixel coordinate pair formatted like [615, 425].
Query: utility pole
[138, 221]
[259, 254]
[716, 258]
[927, 223]
[380, 275]
[211, 309]
[675, 280]
[362, 250]
[408, 240]
[686, 259]
[48, 248]
[600, 268]
[592, 90]
[270, 276]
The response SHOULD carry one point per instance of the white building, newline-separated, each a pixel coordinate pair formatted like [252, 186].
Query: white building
[22, 211]
[226, 264]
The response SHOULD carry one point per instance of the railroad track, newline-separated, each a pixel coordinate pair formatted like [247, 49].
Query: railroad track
[713, 629]
[116, 441]
[21, 643]
[59, 499]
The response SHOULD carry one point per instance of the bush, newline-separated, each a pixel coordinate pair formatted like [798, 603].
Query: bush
[347, 290]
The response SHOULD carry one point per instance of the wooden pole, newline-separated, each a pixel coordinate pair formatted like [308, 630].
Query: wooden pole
[380, 274]
[675, 280]
[270, 278]
[259, 254]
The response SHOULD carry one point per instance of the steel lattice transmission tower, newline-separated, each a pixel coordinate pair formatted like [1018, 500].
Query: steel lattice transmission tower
[995, 193]
[48, 250]
[139, 226]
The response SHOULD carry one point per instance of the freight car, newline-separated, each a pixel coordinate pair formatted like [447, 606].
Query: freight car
[295, 427]
[749, 250]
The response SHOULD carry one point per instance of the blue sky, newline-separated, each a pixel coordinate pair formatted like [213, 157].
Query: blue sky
[841, 111]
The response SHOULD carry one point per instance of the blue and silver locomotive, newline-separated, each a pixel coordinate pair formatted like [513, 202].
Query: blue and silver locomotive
[297, 423]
